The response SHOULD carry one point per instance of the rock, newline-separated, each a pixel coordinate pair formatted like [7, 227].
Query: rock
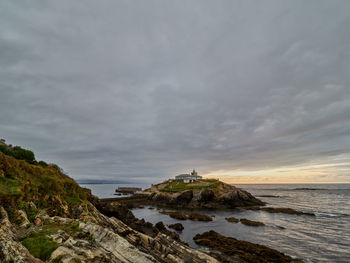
[180, 215]
[232, 219]
[223, 196]
[162, 247]
[286, 211]
[177, 226]
[21, 218]
[184, 197]
[241, 251]
[248, 222]
[206, 195]
[10, 249]
[32, 206]
[37, 221]
[279, 210]
[161, 227]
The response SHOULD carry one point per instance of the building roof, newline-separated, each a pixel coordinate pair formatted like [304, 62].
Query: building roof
[180, 176]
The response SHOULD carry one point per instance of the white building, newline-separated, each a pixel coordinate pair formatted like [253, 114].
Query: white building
[188, 178]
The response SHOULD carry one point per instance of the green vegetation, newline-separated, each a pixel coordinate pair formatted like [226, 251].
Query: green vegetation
[30, 211]
[71, 228]
[45, 185]
[39, 245]
[18, 153]
[177, 186]
[57, 260]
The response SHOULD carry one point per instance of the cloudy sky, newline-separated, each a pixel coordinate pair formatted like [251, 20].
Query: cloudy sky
[248, 91]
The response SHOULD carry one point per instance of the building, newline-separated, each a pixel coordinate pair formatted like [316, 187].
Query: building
[188, 178]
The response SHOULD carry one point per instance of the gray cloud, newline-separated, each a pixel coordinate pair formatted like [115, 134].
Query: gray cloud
[143, 90]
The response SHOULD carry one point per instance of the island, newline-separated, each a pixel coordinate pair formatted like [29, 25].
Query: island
[191, 191]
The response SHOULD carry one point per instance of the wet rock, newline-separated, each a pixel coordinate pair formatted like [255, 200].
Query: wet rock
[180, 215]
[241, 251]
[177, 226]
[283, 210]
[184, 197]
[248, 222]
[232, 219]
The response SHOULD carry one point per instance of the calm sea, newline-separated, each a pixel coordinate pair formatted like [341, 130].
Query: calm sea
[323, 238]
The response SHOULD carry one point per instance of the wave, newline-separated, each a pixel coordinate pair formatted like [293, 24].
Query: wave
[271, 196]
[322, 214]
[309, 189]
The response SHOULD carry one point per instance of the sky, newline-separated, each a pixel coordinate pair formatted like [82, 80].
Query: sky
[245, 91]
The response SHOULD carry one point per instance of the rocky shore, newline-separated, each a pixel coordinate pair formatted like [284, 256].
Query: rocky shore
[45, 216]
[231, 250]
[221, 196]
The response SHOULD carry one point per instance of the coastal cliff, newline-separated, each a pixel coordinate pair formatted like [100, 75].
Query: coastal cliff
[45, 216]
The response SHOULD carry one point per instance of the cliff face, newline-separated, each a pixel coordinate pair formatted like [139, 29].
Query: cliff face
[221, 196]
[45, 216]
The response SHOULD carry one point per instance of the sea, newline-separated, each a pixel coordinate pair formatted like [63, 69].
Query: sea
[324, 237]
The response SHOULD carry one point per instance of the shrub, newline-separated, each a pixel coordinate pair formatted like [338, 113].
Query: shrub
[18, 153]
[42, 163]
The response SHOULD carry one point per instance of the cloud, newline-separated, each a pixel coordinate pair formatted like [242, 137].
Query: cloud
[119, 89]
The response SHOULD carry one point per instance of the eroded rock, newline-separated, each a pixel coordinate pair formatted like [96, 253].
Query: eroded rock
[241, 251]
[232, 219]
[177, 226]
[180, 215]
[248, 222]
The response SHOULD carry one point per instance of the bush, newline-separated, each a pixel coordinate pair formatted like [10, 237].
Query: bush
[18, 153]
[42, 163]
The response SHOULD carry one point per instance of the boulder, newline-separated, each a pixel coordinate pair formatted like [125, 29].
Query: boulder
[177, 226]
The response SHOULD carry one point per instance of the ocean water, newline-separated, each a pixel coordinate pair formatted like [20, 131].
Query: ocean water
[323, 238]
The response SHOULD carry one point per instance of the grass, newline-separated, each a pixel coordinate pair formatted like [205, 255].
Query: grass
[21, 182]
[178, 186]
[40, 245]
[72, 229]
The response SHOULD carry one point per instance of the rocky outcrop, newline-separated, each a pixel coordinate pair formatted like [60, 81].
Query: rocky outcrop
[228, 249]
[283, 210]
[223, 196]
[177, 226]
[94, 238]
[121, 212]
[248, 222]
[180, 215]
[10, 249]
[232, 219]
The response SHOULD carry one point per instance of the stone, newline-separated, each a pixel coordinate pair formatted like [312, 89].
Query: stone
[232, 219]
[248, 222]
[37, 221]
[180, 215]
[177, 226]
